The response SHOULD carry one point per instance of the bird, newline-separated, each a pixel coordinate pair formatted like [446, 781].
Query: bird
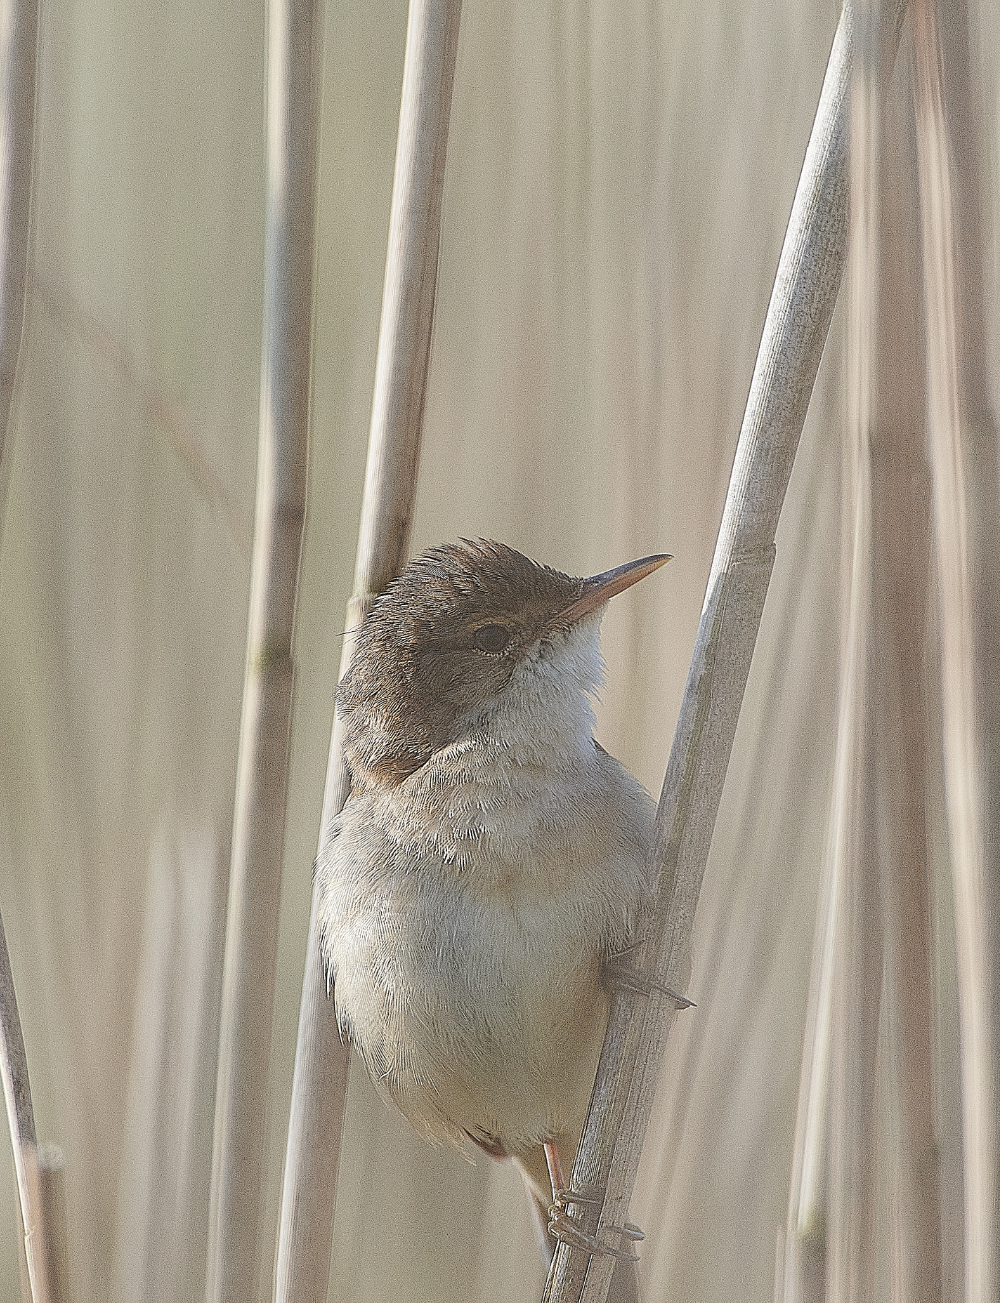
[492, 859]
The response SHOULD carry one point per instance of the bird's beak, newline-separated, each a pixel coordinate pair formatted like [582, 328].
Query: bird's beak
[599, 589]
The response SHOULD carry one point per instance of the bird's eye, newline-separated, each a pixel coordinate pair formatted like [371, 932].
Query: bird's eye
[493, 638]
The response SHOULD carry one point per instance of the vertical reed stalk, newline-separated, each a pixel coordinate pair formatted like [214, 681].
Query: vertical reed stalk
[884, 996]
[800, 1268]
[48, 1197]
[857, 986]
[235, 1231]
[899, 718]
[21, 1120]
[18, 58]
[965, 513]
[320, 1080]
[38, 1183]
[795, 330]
[946, 353]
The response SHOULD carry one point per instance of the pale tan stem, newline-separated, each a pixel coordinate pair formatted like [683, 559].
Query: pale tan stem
[236, 1234]
[795, 330]
[48, 1197]
[899, 718]
[18, 58]
[320, 1080]
[21, 1121]
[964, 468]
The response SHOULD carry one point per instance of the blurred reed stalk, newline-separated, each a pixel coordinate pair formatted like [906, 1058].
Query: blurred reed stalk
[38, 1168]
[235, 1231]
[320, 1080]
[18, 58]
[919, 364]
[45, 1168]
[21, 1119]
[833, 1231]
[795, 331]
[963, 455]
[897, 763]
[38, 1172]
[882, 1059]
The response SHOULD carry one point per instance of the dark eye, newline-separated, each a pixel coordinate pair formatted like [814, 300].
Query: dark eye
[493, 638]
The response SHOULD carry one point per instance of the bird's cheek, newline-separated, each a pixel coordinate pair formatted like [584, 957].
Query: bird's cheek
[462, 682]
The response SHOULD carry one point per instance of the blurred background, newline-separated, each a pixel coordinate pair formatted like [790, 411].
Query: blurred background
[619, 178]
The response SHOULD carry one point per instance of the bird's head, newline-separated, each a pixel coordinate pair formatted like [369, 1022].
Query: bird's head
[440, 647]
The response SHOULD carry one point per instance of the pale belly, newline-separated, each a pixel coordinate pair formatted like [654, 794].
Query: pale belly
[476, 1017]
[467, 937]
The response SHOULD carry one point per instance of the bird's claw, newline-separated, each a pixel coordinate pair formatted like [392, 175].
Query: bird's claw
[563, 1226]
[628, 979]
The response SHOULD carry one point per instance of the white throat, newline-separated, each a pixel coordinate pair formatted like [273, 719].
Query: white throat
[544, 714]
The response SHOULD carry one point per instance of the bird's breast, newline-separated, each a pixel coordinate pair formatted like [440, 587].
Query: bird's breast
[465, 916]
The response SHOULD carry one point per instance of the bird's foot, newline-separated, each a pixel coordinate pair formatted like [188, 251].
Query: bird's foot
[564, 1226]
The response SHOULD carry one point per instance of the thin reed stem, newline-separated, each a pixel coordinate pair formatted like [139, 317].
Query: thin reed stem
[320, 1079]
[235, 1251]
[21, 1120]
[795, 330]
[18, 58]
[966, 532]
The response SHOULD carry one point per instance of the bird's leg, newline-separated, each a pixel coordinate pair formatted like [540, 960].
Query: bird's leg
[563, 1226]
[554, 1163]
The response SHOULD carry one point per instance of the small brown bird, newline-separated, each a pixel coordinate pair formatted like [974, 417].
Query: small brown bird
[492, 858]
